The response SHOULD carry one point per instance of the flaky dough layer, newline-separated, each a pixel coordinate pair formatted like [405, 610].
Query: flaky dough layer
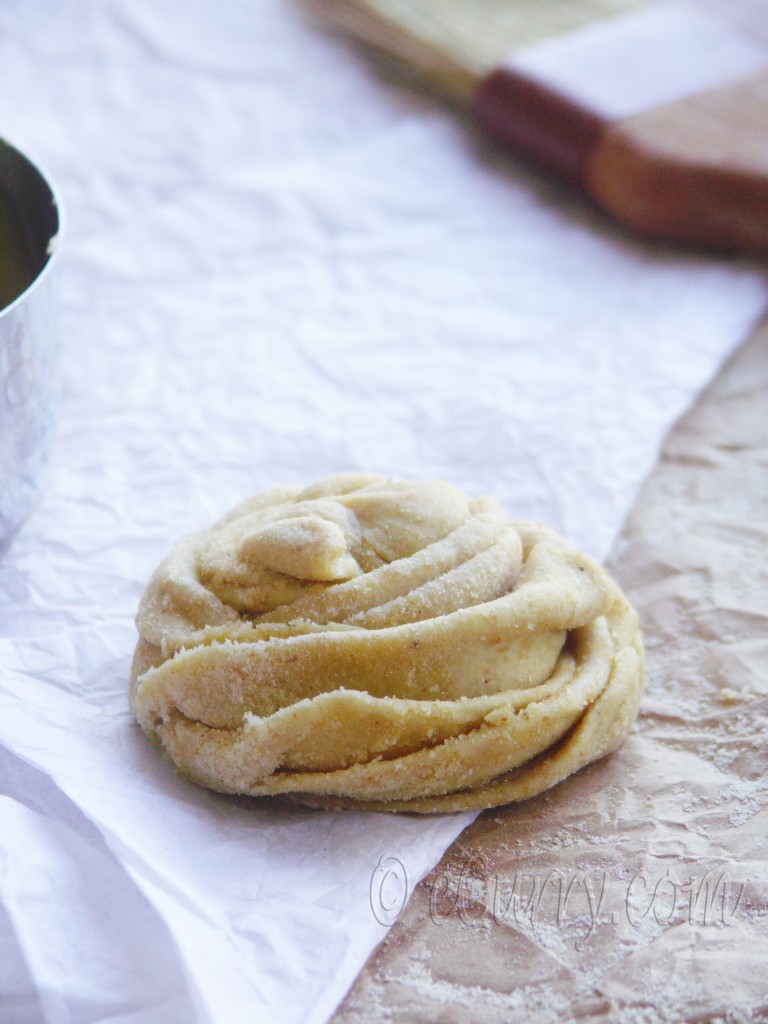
[386, 645]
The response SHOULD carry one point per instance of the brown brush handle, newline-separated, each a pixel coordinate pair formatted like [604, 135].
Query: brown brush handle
[692, 171]
[531, 118]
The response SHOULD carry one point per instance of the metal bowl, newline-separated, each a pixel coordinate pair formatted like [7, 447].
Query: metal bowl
[30, 225]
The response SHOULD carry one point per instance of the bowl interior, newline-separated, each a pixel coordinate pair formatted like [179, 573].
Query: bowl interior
[29, 220]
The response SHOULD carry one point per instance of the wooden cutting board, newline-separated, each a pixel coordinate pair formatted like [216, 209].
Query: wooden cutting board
[658, 112]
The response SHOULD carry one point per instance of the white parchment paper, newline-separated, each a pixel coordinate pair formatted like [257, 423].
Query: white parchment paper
[277, 266]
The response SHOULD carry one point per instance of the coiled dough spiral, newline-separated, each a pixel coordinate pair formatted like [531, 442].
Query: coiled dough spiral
[386, 645]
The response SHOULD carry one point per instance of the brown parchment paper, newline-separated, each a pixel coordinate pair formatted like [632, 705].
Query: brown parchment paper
[635, 891]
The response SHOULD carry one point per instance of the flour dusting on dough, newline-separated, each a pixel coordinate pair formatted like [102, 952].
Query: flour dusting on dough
[392, 645]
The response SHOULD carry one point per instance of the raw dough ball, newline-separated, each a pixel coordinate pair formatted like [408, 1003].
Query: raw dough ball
[386, 645]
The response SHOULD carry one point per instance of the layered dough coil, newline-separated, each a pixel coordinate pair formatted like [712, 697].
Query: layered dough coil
[386, 645]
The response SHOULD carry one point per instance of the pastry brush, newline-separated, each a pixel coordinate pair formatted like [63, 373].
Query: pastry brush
[657, 111]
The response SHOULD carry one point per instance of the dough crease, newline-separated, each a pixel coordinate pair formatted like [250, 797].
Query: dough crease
[387, 645]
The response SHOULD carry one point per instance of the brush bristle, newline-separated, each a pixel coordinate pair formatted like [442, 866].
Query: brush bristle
[451, 44]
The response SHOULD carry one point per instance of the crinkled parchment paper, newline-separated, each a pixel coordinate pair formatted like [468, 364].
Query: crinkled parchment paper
[638, 890]
[278, 266]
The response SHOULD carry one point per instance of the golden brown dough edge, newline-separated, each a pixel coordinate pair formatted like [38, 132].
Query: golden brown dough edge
[599, 732]
[598, 720]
